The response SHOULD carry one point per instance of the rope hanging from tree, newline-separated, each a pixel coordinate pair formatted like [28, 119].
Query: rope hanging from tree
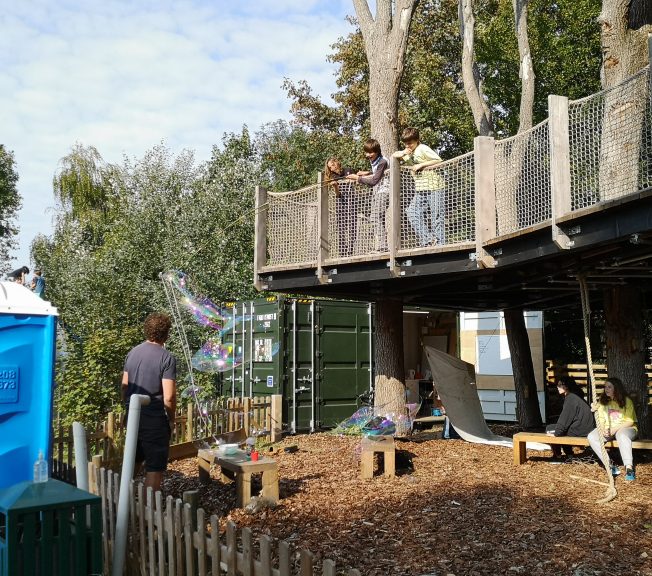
[611, 492]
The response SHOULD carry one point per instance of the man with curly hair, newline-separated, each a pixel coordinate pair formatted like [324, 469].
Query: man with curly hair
[151, 370]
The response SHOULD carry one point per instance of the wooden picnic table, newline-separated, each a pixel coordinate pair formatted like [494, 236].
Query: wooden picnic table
[242, 467]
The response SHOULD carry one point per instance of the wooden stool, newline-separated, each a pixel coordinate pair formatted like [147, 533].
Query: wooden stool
[371, 445]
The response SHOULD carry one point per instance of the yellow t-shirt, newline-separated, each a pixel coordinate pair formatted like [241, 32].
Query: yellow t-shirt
[426, 179]
[612, 415]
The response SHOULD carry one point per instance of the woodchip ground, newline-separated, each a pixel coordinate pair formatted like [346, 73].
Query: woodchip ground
[463, 510]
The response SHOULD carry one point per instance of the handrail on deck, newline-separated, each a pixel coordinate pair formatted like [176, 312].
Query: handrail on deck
[589, 151]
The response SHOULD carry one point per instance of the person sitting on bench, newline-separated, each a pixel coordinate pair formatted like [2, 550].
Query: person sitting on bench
[615, 411]
[575, 419]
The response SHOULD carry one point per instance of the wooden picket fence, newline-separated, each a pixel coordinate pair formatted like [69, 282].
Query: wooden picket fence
[580, 373]
[170, 538]
[261, 415]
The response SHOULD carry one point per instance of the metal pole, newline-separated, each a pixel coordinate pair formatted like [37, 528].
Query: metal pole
[233, 313]
[294, 366]
[244, 347]
[251, 348]
[81, 457]
[371, 347]
[312, 366]
[128, 464]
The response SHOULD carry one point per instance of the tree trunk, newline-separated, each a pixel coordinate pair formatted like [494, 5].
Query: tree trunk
[470, 72]
[526, 70]
[625, 336]
[527, 402]
[389, 397]
[625, 52]
[385, 38]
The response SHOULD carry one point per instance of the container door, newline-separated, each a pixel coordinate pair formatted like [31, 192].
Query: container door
[344, 351]
[301, 366]
[236, 336]
[265, 329]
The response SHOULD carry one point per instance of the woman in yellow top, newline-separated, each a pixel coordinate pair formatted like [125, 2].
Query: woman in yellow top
[615, 411]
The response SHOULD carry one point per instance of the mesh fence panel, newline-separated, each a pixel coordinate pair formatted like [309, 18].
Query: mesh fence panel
[357, 223]
[522, 165]
[438, 204]
[292, 231]
[610, 137]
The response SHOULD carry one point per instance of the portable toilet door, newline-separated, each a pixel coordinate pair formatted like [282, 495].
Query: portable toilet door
[27, 352]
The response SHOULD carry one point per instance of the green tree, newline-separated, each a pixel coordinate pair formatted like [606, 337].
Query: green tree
[10, 203]
[564, 43]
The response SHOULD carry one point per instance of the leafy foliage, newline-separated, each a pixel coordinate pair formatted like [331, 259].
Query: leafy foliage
[10, 203]
[161, 212]
[565, 45]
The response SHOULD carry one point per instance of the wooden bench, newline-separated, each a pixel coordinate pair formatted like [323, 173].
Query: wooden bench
[370, 446]
[521, 438]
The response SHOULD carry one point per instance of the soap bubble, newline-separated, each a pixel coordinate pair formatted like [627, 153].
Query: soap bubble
[191, 391]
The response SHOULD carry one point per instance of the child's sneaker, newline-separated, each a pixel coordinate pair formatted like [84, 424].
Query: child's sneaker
[615, 471]
[630, 474]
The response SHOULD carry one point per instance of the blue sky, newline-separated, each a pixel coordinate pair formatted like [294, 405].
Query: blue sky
[124, 76]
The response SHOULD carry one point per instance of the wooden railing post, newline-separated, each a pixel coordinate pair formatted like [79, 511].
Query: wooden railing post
[485, 198]
[189, 422]
[323, 240]
[560, 173]
[394, 235]
[260, 225]
[246, 415]
[109, 448]
[276, 409]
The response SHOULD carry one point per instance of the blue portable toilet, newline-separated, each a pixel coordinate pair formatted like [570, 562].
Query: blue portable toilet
[27, 352]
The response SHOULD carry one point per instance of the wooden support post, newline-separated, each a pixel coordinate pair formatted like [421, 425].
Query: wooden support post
[189, 422]
[276, 432]
[394, 234]
[270, 489]
[560, 173]
[260, 247]
[110, 435]
[246, 415]
[323, 241]
[485, 198]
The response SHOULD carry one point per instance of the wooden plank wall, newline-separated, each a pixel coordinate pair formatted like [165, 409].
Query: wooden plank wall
[580, 373]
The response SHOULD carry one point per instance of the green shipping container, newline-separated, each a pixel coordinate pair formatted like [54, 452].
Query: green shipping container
[315, 353]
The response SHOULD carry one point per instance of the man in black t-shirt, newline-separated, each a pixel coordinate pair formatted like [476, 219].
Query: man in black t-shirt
[151, 370]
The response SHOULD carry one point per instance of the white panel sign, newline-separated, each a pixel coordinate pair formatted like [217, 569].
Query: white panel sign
[492, 355]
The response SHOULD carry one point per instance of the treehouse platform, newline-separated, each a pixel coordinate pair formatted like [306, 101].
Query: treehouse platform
[523, 217]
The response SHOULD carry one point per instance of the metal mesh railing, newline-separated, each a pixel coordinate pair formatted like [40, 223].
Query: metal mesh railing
[292, 226]
[610, 137]
[522, 168]
[357, 218]
[438, 204]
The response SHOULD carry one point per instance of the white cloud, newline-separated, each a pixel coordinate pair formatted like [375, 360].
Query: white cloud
[124, 76]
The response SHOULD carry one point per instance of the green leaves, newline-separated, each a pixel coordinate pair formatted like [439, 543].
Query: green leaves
[10, 203]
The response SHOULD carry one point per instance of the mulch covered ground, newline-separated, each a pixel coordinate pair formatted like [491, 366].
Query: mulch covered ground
[463, 510]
